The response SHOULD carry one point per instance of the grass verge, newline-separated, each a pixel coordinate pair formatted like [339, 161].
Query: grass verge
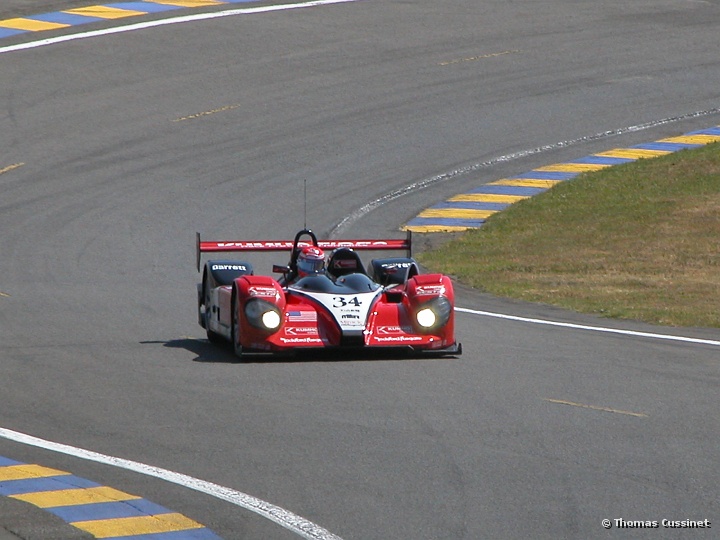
[635, 241]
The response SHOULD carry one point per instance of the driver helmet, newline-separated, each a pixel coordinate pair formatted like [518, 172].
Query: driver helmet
[311, 261]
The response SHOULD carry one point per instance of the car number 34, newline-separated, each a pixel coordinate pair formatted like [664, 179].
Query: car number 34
[341, 301]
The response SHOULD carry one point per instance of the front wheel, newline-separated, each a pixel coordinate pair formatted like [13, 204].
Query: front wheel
[215, 338]
[235, 333]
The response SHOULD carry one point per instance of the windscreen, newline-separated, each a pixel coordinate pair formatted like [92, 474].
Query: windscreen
[352, 283]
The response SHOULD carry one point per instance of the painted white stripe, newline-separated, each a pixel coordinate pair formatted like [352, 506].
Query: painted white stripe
[164, 22]
[591, 328]
[290, 521]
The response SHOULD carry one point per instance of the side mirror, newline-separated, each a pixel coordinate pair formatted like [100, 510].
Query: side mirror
[281, 269]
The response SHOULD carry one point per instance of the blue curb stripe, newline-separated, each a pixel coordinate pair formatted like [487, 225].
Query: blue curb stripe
[64, 18]
[711, 131]
[147, 7]
[450, 223]
[7, 32]
[108, 510]
[72, 503]
[190, 534]
[602, 160]
[507, 190]
[50, 483]
[470, 205]
[666, 147]
[546, 175]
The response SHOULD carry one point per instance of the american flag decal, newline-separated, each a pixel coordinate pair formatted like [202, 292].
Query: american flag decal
[301, 316]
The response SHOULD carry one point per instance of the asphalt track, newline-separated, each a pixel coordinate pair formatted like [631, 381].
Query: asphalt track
[117, 149]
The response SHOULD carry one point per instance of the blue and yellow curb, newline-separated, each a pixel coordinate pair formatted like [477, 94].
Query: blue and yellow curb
[90, 14]
[101, 511]
[470, 210]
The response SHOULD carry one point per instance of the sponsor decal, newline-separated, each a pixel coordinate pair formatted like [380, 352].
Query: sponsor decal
[302, 340]
[352, 243]
[228, 267]
[394, 266]
[350, 316]
[397, 339]
[300, 330]
[344, 263]
[256, 245]
[262, 292]
[430, 290]
[387, 330]
[325, 244]
[357, 305]
[301, 316]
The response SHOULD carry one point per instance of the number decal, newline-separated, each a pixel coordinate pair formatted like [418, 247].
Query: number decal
[340, 301]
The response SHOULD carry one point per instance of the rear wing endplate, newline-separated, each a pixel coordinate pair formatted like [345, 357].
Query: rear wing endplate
[218, 246]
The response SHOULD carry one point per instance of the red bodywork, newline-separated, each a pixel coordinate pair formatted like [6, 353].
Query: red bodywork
[388, 318]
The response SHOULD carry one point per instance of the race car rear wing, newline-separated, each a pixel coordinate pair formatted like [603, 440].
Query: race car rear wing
[222, 246]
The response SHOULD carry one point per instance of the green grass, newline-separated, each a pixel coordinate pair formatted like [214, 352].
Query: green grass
[636, 241]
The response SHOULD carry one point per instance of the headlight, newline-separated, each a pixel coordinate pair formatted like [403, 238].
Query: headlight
[434, 314]
[271, 319]
[426, 318]
[262, 314]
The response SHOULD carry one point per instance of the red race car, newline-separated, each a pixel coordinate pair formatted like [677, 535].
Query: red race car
[321, 302]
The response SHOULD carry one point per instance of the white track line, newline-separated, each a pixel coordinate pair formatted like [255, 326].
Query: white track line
[290, 521]
[450, 175]
[164, 22]
[591, 328]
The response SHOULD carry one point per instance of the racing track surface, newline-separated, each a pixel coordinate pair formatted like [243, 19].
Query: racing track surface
[116, 149]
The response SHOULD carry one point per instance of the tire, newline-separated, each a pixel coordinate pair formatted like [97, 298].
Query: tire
[235, 333]
[213, 337]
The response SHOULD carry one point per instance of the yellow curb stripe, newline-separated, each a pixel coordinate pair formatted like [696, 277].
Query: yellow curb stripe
[458, 213]
[24, 472]
[526, 182]
[633, 153]
[692, 139]
[104, 12]
[574, 167]
[487, 197]
[72, 497]
[161, 523]
[434, 228]
[30, 25]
